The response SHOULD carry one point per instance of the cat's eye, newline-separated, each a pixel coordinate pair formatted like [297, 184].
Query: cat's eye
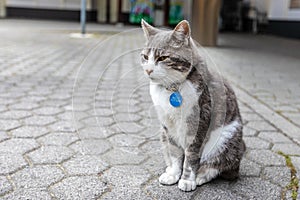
[161, 58]
[145, 57]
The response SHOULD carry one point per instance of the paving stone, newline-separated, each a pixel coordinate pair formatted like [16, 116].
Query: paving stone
[79, 187]
[29, 131]
[39, 120]
[155, 164]
[249, 131]
[18, 145]
[6, 125]
[91, 146]
[256, 143]
[216, 189]
[255, 188]
[265, 157]
[37, 176]
[261, 126]
[287, 148]
[47, 110]
[50, 155]
[58, 139]
[278, 175]
[249, 168]
[126, 140]
[121, 156]
[29, 193]
[274, 137]
[127, 127]
[98, 120]
[157, 191]
[251, 117]
[5, 185]
[3, 136]
[125, 194]
[95, 132]
[125, 176]
[10, 162]
[15, 114]
[126, 117]
[296, 163]
[55, 103]
[24, 106]
[84, 165]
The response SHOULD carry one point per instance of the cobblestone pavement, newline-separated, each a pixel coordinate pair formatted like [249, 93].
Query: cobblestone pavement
[91, 133]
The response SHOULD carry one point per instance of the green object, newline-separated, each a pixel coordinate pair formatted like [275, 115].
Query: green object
[175, 12]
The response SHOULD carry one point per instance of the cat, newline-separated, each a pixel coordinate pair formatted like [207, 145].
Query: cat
[201, 130]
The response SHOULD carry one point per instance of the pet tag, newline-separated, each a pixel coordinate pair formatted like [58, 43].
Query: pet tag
[175, 99]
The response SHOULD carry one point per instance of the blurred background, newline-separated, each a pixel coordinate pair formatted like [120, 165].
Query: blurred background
[278, 17]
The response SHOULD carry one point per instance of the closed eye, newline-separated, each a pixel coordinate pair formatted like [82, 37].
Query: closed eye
[162, 58]
[145, 57]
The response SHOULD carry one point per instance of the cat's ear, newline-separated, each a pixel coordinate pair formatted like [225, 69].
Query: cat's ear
[148, 29]
[182, 31]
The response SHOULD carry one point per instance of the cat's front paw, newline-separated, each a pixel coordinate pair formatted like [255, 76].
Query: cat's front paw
[168, 179]
[187, 185]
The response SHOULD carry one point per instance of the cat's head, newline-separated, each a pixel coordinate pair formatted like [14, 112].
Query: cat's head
[166, 58]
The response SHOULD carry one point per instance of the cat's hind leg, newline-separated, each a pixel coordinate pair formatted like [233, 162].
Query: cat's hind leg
[206, 174]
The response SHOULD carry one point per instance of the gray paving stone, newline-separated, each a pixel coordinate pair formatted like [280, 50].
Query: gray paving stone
[98, 120]
[91, 146]
[128, 127]
[63, 139]
[265, 157]
[256, 143]
[5, 185]
[122, 156]
[18, 145]
[125, 194]
[251, 117]
[296, 163]
[126, 117]
[39, 120]
[261, 126]
[125, 176]
[6, 125]
[47, 110]
[249, 168]
[278, 175]
[249, 131]
[29, 131]
[84, 165]
[96, 132]
[10, 162]
[274, 137]
[50, 155]
[287, 148]
[29, 193]
[155, 164]
[158, 191]
[79, 187]
[37, 176]
[3, 136]
[255, 188]
[15, 114]
[126, 140]
[24, 106]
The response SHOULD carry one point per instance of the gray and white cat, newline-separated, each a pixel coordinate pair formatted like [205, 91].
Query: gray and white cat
[202, 134]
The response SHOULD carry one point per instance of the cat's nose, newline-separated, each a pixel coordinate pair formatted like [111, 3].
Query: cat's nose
[149, 71]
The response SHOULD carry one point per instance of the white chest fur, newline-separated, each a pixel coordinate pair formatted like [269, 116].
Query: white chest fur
[175, 118]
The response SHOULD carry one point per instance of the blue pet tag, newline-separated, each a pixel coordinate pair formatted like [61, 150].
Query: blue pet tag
[175, 99]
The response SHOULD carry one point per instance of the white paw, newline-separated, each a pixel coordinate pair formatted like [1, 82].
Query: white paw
[168, 179]
[187, 185]
[168, 170]
[200, 181]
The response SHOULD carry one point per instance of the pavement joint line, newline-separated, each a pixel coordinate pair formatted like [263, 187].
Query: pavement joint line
[244, 96]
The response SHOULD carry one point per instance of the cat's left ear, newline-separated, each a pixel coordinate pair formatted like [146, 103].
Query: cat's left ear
[182, 31]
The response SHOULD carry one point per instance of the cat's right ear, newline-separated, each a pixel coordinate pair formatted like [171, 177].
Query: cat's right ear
[148, 29]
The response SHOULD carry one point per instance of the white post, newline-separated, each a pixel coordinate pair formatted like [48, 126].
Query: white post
[83, 16]
[2, 8]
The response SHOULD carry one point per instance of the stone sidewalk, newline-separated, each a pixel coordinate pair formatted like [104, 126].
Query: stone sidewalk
[76, 119]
